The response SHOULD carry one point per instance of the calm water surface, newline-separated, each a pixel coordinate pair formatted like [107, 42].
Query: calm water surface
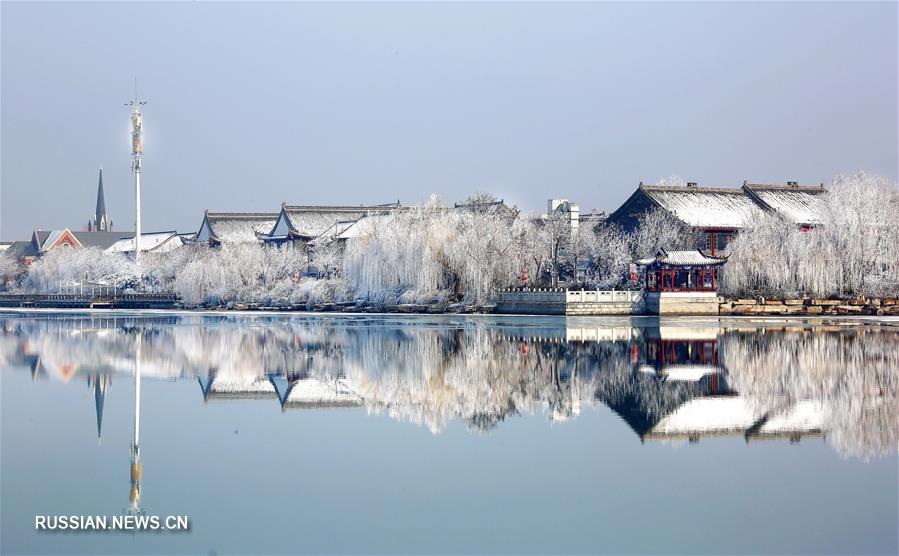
[373, 434]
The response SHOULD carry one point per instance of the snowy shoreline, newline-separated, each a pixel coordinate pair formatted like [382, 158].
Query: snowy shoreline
[685, 319]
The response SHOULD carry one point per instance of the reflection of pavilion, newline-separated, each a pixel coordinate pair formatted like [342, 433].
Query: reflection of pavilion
[679, 391]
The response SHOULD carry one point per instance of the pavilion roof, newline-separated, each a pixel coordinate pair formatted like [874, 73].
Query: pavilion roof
[686, 257]
[691, 257]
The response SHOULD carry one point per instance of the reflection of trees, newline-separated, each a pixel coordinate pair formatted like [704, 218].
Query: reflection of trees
[479, 372]
[853, 372]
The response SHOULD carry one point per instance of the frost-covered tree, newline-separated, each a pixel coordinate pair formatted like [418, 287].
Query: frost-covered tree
[11, 271]
[327, 257]
[557, 234]
[658, 229]
[672, 181]
[853, 251]
[482, 252]
[402, 255]
[610, 256]
[434, 252]
[66, 267]
[246, 272]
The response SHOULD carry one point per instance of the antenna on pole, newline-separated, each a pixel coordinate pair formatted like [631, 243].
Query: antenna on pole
[137, 151]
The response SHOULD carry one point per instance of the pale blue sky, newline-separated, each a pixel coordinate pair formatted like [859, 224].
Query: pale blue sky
[255, 104]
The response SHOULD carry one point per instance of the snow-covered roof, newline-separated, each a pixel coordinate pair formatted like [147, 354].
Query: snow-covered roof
[366, 225]
[691, 257]
[799, 204]
[239, 227]
[153, 241]
[46, 239]
[313, 220]
[706, 207]
[51, 239]
[337, 229]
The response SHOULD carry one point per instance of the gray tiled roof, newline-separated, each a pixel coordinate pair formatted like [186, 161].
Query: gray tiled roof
[313, 220]
[101, 240]
[706, 207]
[238, 227]
[799, 204]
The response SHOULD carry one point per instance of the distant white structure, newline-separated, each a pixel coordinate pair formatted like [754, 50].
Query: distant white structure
[566, 207]
[155, 242]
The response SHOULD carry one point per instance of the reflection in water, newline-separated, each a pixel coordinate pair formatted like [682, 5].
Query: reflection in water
[669, 382]
[136, 471]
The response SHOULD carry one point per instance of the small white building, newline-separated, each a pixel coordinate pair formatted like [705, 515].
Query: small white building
[153, 242]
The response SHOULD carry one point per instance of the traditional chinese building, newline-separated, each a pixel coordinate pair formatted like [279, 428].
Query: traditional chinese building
[681, 282]
[304, 223]
[235, 227]
[716, 214]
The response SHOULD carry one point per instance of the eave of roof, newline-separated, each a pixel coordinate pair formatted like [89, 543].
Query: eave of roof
[241, 215]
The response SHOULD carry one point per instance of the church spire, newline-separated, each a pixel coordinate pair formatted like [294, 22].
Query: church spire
[101, 220]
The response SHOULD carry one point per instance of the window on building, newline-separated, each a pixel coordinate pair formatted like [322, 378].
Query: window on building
[723, 240]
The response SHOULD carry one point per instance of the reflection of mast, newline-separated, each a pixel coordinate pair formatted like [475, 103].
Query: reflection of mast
[135, 446]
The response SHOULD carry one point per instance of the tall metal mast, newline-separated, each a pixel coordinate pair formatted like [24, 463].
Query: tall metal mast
[137, 151]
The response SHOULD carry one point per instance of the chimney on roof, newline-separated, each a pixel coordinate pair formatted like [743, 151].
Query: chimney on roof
[691, 184]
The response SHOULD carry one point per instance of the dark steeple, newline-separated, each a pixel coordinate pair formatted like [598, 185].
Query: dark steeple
[101, 221]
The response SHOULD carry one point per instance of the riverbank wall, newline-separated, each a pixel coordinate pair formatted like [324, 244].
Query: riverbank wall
[533, 302]
[809, 306]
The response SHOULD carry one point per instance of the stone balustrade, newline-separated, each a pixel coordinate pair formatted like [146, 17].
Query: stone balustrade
[557, 301]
